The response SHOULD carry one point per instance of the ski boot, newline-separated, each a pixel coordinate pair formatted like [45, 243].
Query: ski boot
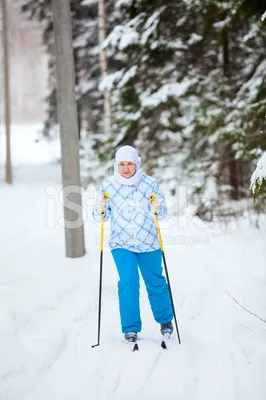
[131, 337]
[167, 329]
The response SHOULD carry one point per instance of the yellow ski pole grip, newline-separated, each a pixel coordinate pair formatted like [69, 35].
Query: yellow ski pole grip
[153, 196]
[104, 196]
[157, 223]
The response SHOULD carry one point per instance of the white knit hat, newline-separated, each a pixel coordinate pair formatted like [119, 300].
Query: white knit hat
[126, 153]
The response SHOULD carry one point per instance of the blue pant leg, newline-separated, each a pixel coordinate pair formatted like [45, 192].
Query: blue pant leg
[128, 289]
[150, 264]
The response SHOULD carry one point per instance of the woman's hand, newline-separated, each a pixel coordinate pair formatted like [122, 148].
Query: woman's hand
[101, 204]
[155, 205]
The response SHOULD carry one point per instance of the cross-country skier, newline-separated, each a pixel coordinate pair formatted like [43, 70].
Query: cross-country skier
[134, 241]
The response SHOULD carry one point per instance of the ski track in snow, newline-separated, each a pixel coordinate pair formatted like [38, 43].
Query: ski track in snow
[49, 305]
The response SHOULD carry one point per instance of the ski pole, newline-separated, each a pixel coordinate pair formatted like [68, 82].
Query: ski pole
[104, 197]
[165, 265]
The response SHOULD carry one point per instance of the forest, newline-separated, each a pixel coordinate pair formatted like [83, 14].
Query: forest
[183, 81]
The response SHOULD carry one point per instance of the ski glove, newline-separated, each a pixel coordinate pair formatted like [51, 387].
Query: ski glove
[155, 205]
[101, 204]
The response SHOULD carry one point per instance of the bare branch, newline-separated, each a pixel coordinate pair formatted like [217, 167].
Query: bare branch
[250, 312]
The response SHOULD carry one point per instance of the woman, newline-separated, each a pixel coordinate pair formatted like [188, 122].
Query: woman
[134, 241]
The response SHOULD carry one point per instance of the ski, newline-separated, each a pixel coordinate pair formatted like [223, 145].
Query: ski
[135, 347]
[133, 344]
[164, 341]
[163, 344]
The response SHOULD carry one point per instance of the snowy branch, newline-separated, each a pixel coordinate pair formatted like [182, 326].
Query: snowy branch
[258, 178]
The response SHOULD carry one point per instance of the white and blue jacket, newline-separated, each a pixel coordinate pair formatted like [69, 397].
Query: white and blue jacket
[128, 205]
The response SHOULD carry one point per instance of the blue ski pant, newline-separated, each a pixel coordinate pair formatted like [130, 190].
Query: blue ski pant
[128, 264]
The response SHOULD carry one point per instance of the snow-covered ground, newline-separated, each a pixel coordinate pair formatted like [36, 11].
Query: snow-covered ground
[48, 304]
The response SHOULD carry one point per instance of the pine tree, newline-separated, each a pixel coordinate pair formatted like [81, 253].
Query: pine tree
[188, 87]
[148, 89]
[258, 179]
[192, 83]
[230, 115]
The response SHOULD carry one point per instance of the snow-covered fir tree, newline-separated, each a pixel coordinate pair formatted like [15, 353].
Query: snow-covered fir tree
[188, 87]
[191, 91]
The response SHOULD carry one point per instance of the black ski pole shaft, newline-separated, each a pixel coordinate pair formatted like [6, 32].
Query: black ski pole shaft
[165, 267]
[171, 296]
[104, 196]
[100, 300]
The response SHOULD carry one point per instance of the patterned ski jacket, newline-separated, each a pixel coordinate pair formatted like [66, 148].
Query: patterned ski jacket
[132, 220]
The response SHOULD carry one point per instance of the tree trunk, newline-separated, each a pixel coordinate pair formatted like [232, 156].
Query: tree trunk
[78, 105]
[233, 165]
[104, 67]
[68, 121]
[8, 173]
[226, 60]
[233, 174]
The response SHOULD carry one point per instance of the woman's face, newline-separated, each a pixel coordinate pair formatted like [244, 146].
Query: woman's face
[127, 169]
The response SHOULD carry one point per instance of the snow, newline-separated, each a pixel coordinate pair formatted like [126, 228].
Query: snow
[88, 2]
[108, 82]
[48, 303]
[194, 38]
[253, 32]
[23, 144]
[86, 86]
[82, 40]
[130, 116]
[151, 25]
[259, 174]
[121, 36]
[251, 87]
[222, 24]
[176, 44]
[120, 3]
[170, 89]
[129, 74]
